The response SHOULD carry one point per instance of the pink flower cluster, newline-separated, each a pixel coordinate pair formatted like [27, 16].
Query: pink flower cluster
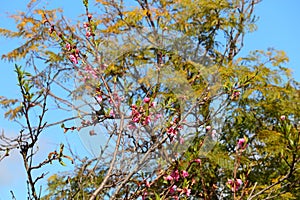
[235, 185]
[74, 54]
[173, 129]
[87, 27]
[51, 29]
[89, 73]
[175, 175]
[141, 116]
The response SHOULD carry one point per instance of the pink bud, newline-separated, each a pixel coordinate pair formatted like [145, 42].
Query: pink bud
[68, 46]
[146, 100]
[282, 117]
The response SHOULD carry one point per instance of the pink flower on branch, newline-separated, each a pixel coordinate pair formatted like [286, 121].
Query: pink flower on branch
[86, 25]
[175, 175]
[73, 59]
[112, 113]
[88, 34]
[187, 191]
[184, 174]
[68, 46]
[173, 189]
[242, 143]
[131, 126]
[147, 120]
[91, 71]
[235, 185]
[168, 178]
[146, 100]
[172, 131]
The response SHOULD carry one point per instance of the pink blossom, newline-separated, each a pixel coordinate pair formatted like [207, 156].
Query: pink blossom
[153, 104]
[68, 46]
[146, 100]
[147, 184]
[208, 128]
[103, 66]
[147, 120]
[171, 131]
[187, 191]
[157, 116]
[73, 59]
[168, 178]
[193, 181]
[242, 143]
[236, 93]
[184, 174]
[213, 132]
[91, 71]
[133, 106]
[51, 29]
[173, 189]
[175, 175]
[239, 182]
[86, 25]
[181, 140]
[131, 126]
[88, 34]
[282, 117]
[235, 185]
[198, 160]
[137, 118]
[99, 98]
[144, 195]
[112, 113]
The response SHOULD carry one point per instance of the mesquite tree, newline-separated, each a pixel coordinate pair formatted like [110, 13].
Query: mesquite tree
[158, 93]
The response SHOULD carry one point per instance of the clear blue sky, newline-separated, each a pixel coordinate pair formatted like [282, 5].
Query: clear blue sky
[278, 27]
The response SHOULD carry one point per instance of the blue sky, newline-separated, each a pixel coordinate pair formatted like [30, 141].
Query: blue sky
[278, 27]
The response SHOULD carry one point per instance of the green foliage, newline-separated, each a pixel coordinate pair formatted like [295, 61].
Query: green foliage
[167, 59]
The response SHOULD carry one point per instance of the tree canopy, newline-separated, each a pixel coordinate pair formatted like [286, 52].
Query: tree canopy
[160, 96]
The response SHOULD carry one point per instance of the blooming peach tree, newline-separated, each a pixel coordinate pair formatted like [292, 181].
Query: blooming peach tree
[160, 97]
